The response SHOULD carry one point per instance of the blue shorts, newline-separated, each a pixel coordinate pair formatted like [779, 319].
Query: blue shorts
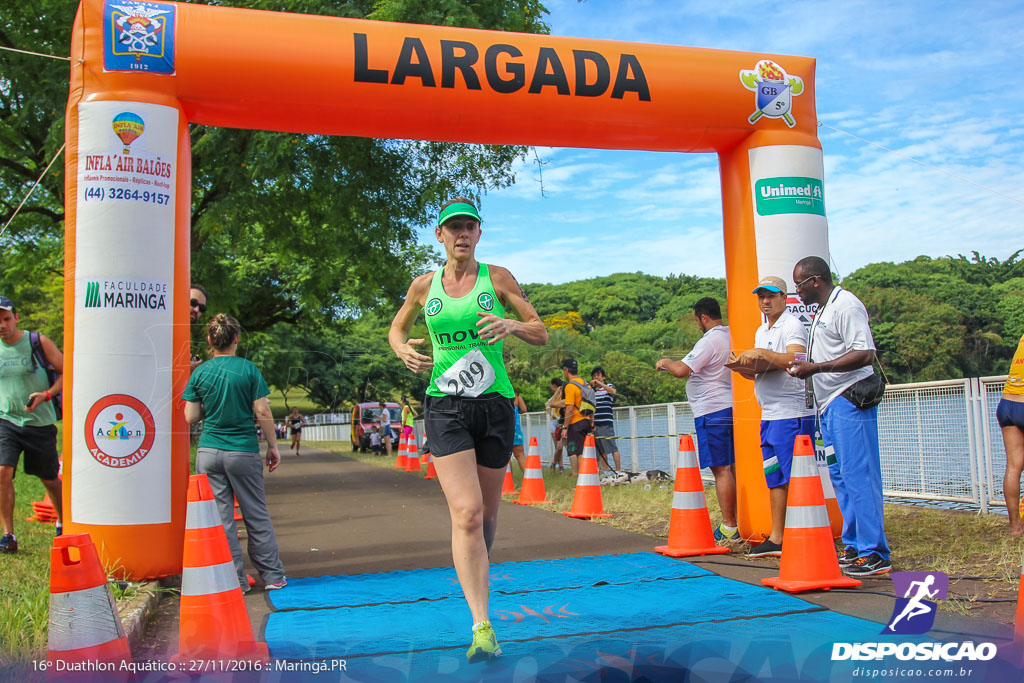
[517, 438]
[714, 438]
[777, 437]
[1010, 414]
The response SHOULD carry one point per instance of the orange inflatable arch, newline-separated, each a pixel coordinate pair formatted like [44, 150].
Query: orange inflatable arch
[141, 72]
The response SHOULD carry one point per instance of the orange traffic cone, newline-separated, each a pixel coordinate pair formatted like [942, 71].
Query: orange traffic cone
[532, 490]
[238, 513]
[84, 625]
[43, 511]
[402, 461]
[508, 487]
[412, 455]
[809, 557]
[586, 500]
[213, 624]
[835, 517]
[689, 526]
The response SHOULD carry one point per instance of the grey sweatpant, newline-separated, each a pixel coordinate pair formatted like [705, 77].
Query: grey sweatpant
[239, 474]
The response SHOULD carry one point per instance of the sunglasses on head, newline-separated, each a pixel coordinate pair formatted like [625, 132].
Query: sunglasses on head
[195, 304]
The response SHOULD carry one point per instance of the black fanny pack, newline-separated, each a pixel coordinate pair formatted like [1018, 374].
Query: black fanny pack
[867, 393]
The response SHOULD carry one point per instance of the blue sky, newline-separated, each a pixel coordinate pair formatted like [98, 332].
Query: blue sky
[936, 81]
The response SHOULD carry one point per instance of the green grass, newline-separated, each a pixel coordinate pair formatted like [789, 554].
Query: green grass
[961, 544]
[296, 399]
[25, 583]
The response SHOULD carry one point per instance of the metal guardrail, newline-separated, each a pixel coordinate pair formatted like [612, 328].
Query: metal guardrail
[938, 440]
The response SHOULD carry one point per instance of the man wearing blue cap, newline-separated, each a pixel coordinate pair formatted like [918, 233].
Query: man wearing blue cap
[784, 414]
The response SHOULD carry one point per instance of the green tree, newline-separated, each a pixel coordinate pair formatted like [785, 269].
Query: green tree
[284, 227]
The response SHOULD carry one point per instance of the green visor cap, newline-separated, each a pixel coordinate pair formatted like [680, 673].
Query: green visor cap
[457, 209]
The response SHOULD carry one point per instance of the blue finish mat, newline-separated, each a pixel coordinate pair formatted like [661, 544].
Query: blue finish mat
[507, 577]
[347, 632]
[777, 648]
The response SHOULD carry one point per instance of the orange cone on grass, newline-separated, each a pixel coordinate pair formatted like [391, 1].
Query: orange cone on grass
[412, 455]
[44, 510]
[689, 528]
[214, 624]
[532, 490]
[586, 500]
[84, 624]
[809, 559]
[508, 487]
[402, 461]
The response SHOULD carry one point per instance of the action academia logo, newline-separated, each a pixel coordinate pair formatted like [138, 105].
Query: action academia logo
[119, 430]
[775, 90]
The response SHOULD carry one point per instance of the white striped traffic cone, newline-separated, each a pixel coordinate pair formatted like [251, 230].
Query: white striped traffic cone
[531, 491]
[84, 624]
[689, 529]
[809, 559]
[214, 624]
[586, 499]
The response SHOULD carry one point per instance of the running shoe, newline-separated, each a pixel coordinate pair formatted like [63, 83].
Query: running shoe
[8, 544]
[276, 586]
[721, 535]
[847, 556]
[766, 549]
[870, 565]
[485, 645]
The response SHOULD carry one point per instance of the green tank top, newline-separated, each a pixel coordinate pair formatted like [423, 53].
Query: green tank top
[19, 377]
[464, 364]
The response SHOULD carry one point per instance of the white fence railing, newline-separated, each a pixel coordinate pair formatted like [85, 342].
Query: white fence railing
[938, 440]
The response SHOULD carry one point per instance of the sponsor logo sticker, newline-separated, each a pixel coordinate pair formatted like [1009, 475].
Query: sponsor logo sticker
[433, 306]
[139, 36]
[914, 613]
[126, 293]
[774, 91]
[486, 301]
[789, 194]
[119, 430]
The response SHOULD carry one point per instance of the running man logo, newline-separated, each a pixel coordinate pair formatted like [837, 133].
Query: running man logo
[914, 613]
[433, 307]
[486, 301]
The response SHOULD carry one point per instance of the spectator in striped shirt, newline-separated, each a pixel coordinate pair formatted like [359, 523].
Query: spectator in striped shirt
[604, 422]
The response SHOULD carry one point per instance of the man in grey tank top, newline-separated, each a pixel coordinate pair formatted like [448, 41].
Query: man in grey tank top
[27, 420]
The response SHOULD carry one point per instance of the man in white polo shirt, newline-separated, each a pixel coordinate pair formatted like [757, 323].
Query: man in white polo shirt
[784, 416]
[709, 391]
[840, 355]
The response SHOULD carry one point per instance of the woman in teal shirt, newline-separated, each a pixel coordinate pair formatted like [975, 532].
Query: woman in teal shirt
[468, 408]
[232, 393]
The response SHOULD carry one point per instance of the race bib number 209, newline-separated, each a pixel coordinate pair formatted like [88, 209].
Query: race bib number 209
[471, 376]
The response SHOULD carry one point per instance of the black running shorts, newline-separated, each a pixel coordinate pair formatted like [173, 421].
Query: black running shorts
[485, 424]
[39, 445]
[575, 436]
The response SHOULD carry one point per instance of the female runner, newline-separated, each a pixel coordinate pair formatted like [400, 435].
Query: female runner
[468, 407]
